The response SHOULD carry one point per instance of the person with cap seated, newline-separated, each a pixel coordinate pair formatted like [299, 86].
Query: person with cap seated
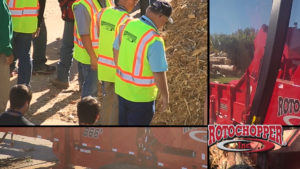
[140, 58]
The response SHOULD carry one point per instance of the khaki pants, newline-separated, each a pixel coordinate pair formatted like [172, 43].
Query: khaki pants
[109, 108]
[4, 84]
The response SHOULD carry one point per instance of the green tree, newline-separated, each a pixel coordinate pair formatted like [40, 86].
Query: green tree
[239, 46]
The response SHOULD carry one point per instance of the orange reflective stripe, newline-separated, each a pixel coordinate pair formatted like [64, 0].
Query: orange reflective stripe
[24, 12]
[79, 42]
[138, 81]
[119, 22]
[25, 8]
[143, 77]
[93, 12]
[110, 3]
[143, 54]
[11, 3]
[122, 29]
[138, 57]
[107, 61]
[99, 15]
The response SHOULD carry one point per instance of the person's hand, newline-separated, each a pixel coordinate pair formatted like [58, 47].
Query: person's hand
[10, 59]
[36, 33]
[94, 63]
[165, 100]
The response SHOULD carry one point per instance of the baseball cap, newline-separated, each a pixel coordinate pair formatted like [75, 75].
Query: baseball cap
[162, 7]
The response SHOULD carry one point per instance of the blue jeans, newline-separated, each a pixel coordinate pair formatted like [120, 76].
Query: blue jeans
[39, 48]
[21, 50]
[88, 80]
[135, 113]
[66, 53]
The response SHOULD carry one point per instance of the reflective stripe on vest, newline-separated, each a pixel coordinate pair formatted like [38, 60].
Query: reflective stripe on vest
[11, 3]
[139, 57]
[120, 21]
[94, 11]
[138, 81]
[78, 41]
[94, 33]
[24, 12]
[106, 61]
[109, 3]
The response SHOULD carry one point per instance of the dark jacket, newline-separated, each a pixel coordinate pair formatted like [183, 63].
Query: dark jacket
[7, 119]
[6, 32]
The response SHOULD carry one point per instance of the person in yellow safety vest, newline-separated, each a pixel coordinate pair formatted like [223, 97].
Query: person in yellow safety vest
[26, 24]
[108, 20]
[86, 44]
[139, 54]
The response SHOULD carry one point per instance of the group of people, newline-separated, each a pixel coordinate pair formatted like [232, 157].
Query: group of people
[127, 55]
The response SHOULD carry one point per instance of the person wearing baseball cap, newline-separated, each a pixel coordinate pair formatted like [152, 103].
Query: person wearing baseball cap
[139, 53]
[161, 7]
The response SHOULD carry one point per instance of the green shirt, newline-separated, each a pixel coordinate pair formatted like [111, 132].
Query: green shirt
[6, 32]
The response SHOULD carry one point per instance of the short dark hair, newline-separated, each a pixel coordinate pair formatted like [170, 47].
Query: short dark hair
[19, 95]
[161, 7]
[88, 109]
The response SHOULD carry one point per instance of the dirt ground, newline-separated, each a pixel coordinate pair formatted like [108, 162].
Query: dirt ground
[26, 152]
[52, 106]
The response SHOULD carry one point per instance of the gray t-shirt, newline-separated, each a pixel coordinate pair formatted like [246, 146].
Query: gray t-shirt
[83, 19]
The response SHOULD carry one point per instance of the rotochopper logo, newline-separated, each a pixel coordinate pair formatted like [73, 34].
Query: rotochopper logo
[245, 138]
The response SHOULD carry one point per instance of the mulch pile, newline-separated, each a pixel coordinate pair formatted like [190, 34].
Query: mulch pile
[220, 159]
[186, 49]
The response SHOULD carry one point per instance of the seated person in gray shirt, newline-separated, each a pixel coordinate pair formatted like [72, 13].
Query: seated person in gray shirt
[19, 97]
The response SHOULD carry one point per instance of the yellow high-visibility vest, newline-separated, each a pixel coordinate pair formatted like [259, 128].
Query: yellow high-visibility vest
[109, 20]
[24, 15]
[134, 79]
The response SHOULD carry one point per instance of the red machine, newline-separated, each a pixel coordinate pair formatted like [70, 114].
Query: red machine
[181, 148]
[282, 157]
[231, 103]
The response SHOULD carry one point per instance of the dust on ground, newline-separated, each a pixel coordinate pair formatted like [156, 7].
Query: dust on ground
[186, 46]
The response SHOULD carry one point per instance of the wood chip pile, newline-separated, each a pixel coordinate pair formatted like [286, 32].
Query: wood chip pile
[220, 159]
[186, 48]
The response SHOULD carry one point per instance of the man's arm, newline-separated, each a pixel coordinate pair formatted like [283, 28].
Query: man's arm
[87, 43]
[162, 85]
[116, 56]
[41, 12]
[83, 20]
[158, 64]
[42, 4]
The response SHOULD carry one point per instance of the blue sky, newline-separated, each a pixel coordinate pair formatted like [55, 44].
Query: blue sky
[227, 16]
